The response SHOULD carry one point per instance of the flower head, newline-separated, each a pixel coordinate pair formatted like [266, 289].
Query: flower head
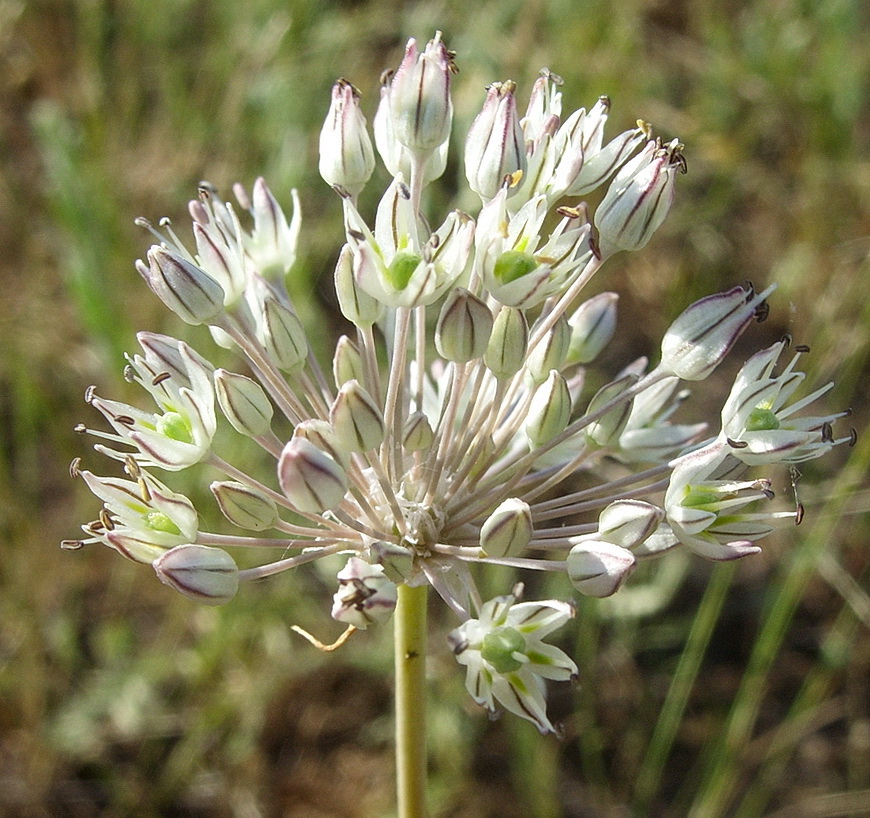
[458, 422]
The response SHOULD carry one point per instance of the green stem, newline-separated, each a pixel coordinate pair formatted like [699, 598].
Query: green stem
[410, 658]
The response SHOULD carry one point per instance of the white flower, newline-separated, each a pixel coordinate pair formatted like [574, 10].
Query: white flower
[507, 659]
[759, 425]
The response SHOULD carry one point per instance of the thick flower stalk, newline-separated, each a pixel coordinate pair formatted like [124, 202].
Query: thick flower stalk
[454, 428]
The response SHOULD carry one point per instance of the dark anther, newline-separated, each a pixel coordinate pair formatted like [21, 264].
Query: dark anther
[129, 374]
[405, 191]
[355, 234]
[786, 339]
[827, 433]
[853, 436]
[434, 241]
[386, 76]
[206, 188]
[801, 348]
[71, 545]
[736, 444]
[125, 420]
[750, 289]
[89, 393]
[799, 514]
[762, 311]
[144, 490]
[106, 520]
[75, 467]
[847, 413]
[159, 378]
[568, 212]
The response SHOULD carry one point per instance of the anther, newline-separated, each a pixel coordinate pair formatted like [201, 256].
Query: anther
[106, 520]
[160, 377]
[786, 339]
[144, 491]
[801, 348]
[799, 514]
[853, 436]
[762, 311]
[75, 467]
[125, 420]
[827, 433]
[736, 444]
[71, 545]
[129, 374]
[80, 428]
[404, 191]
[89, 393]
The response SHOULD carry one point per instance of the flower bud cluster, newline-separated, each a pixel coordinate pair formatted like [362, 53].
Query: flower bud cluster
[459, 408]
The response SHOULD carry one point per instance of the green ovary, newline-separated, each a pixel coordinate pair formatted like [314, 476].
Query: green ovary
[762, 420]
[158, 521]
[512, 265]
[175, 427]
[402, 268]
[699, 498]
[498, 649]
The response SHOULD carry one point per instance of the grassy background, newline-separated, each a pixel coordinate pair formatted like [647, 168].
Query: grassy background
[708, 691]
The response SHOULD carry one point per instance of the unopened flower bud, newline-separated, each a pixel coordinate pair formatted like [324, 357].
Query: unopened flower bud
[700, 338]
[463, 328]
[508, 343]
[310, 479]
[346, 156]
[283, 335]
[417, 436]
[606, 430]
[191, 293]
[495, 147]
[599, 568]
[243, 402]
[321, 434]
[507, 530]
[550, 410]
[244, 506]
[206, 575]
[592, 327]
[347, 363]
[419, 97]
[628, 523]
[360, 308]
[356, 419]
[550, 352]
[396, 560]
[639, 198]
[365, 595]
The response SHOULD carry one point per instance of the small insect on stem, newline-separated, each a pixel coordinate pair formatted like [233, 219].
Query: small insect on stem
[795, 475]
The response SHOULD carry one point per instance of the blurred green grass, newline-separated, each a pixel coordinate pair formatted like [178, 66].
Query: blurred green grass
[746, 692]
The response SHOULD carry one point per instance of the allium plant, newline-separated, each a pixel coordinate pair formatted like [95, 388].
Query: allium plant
[454, 428]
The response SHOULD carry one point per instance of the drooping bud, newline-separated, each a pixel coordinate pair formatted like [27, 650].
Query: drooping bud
[592, 327]
[639, 198]
[207, 575]
[495, 148]
[243, 402]
[508, 344]
[310, 479]
[464, 327]
[191, 293]
[356, 419]
[507, 530]
[606, 430]
[419, 97]
[599, 568]
[417, 436]
[549, 411]
[347, 160]
[700, 337]
[550, 352]
[628, 523]
[244, 506]
[283, 335]
[365, 595]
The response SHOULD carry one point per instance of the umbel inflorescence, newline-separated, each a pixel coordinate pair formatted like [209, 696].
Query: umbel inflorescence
[454, 426]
